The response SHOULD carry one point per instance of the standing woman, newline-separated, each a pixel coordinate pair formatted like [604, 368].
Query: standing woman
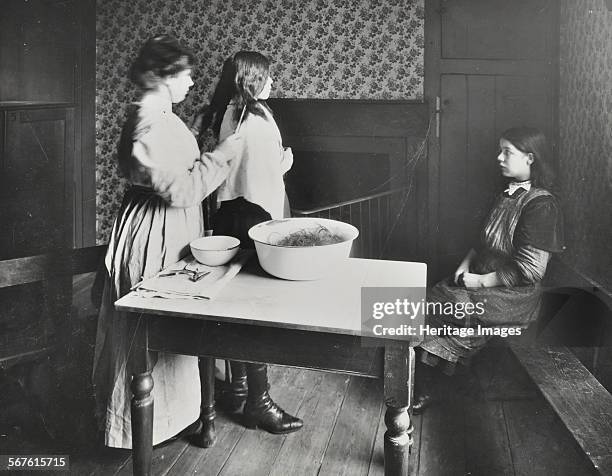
[501, 276]
[253, 192]
[160, 214]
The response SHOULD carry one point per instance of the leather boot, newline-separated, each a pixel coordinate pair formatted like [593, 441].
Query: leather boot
[260, 411]
[235, 394]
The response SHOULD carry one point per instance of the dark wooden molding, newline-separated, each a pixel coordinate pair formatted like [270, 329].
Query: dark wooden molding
[85, 122]
[363, 133]
[344, 117]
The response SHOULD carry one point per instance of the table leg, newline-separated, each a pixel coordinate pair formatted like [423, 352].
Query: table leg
[142, 423]
[142, 399]
[398, 441]
[207, 436]
[398, 378]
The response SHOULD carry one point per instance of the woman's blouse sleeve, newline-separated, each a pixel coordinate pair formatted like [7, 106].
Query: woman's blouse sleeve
[538, 234]
[528, 267]
[170, 163]
[540, 225]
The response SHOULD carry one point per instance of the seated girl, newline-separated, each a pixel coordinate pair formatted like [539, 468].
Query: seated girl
[501, 276]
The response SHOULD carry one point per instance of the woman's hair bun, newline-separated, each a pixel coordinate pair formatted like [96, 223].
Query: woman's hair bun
[161, 56]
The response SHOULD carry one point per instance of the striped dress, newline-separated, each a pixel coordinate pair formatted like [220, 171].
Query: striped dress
[520, 234]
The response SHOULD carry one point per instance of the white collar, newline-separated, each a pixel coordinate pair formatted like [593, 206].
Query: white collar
[514, 186]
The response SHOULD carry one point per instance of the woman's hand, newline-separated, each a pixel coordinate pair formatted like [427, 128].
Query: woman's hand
[196, 125]
[231, 146]
[464, 267]
[460, 273]
[286, 160]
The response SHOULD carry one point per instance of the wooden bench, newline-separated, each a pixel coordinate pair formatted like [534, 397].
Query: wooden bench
[35, 321]
[53, 273]
[582, 403]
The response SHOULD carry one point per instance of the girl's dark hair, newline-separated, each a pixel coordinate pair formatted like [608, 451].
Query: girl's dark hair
[160, 57]
[212, 114]
[242, 79]
[252, 71]
[530, 140]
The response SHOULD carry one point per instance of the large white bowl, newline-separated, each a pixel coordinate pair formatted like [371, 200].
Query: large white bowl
[214, 250]
[300, 263]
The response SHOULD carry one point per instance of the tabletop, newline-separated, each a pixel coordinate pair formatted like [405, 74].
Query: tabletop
[332, 304]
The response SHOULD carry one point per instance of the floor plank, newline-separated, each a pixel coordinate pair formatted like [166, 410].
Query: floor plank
[303, 453]
[288, 390]
[229, 432]
[350, 446]
[487, 450]
[500, 375]
[442, 439]
[100, 463]
[538, 442]
[195, 460]
[377, 459]
[163, 459]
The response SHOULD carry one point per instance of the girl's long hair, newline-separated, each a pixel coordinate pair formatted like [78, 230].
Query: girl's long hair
[212, 114]
[252, 71]
[530, 140]
[242, 79]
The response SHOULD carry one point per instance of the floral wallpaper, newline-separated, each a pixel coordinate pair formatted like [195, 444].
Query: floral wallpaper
[585, 111]
[357, 49]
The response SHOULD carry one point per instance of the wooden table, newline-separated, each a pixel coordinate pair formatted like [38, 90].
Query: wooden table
[259, 318]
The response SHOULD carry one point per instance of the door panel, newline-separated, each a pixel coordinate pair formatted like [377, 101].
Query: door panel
[524, 100]
[481, 131]
[496, 29]
[35, 146]
[453, 175]
[36, 184]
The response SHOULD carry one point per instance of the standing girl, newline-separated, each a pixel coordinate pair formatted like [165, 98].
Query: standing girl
[253, 192]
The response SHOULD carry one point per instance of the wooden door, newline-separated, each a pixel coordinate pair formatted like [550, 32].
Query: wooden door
[490, 65]
[36, 179]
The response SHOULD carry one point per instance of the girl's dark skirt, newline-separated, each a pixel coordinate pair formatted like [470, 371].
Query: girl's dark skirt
[236, 217]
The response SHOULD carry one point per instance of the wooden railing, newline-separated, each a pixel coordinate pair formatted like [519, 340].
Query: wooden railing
[374, 216]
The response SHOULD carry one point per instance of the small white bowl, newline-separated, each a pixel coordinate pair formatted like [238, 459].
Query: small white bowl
[301, 263]
[214, 250]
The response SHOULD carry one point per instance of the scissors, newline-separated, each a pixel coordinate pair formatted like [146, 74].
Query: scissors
[194, 275]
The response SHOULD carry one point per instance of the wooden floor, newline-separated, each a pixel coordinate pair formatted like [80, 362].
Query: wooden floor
[488, 424]
[489, 421]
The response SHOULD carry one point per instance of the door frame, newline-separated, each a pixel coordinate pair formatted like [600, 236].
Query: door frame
[431, 89]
